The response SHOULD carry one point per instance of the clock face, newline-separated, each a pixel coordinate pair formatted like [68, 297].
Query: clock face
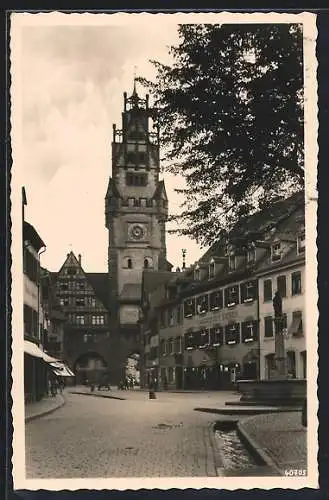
[137, 232]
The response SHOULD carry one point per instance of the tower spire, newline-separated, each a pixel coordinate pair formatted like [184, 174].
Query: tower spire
[134, 91]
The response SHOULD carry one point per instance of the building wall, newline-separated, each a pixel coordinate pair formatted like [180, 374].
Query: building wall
[290, 304]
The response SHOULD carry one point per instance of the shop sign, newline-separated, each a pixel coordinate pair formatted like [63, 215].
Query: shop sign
[220, 317]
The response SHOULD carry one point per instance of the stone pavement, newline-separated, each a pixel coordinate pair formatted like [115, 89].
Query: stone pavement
[281, 439]
[46, 405]
[112, 438]
[138, 437]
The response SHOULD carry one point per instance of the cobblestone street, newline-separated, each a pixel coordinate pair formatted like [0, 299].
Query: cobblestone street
[138, 437]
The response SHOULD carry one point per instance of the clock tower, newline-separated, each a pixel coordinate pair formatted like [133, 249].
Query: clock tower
[136, 209]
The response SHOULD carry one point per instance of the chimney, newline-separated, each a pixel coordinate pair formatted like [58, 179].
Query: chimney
[79, 257]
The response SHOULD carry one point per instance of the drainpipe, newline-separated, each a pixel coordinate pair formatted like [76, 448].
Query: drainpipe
[39, 281]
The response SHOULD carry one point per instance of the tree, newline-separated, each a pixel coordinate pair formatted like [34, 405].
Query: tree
[230, 114]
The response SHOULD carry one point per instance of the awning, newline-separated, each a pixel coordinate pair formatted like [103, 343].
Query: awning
[294, 328]
[60, 369]
[64, 372]
[49, 359]
[33, 350]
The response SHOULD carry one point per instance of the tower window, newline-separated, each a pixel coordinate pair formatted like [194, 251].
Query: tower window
[136, 179]
[142, 157]
[148, 262]
[131, 157]
[129, 264]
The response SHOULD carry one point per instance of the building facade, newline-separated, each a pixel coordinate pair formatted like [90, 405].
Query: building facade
[283, 270]
[86, 336]
[136, 209]
[35, 369]
[213, 323]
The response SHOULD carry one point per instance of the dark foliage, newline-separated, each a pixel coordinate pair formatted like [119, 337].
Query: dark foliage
[230, 113]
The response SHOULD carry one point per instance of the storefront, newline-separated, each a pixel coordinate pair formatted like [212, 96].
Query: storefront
[35, 373]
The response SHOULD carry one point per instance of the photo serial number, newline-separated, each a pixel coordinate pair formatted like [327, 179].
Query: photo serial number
[295, 472]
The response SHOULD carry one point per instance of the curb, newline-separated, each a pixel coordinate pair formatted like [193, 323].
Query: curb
[255, 449]
[217, 457]
[45, 412]
[97, 395]
[243, 411]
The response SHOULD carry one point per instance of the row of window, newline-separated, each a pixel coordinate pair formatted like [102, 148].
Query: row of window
[136, 179]
[245, 293]
[234, 333]
[71, 285]
[142, 202]
[92, 338]
[231, 334]
[128, 263]
[281, 286]
[229, 297]
[87, 319]
[276, 255]
[296, 327]
[77, 301]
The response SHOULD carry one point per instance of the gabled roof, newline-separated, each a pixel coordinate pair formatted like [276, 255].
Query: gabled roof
[100, 284]
[30, 234]
[112, 189]
[98, 281]
[160, 189]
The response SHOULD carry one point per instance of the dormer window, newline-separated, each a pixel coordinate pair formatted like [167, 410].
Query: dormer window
[276, 252]
[231, 262]
[197, 273]
[211, 268]
[301, 243]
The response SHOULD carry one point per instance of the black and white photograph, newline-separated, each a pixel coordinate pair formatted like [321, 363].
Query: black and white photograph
[163, 211]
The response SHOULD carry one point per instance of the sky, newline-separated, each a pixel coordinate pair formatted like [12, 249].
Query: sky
[70, 81]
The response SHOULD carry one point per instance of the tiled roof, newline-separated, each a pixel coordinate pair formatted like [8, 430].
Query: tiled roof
[260, 221]
[100, 283]
[153, 279]
[290, 257]
[159, 189]
[131, 291]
